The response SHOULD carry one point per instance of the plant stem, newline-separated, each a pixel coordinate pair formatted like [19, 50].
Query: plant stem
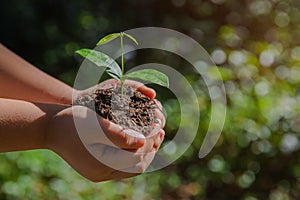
[122, 53]
[122, 63]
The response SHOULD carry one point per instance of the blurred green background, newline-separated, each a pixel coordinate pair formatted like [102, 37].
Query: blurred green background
[256, 43]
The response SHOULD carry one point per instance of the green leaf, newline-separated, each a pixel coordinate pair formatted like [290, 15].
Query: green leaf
[108, 38]
[131, 37]
[102, 60]
[150, 75]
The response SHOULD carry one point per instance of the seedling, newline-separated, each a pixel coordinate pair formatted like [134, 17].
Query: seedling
[114, 70]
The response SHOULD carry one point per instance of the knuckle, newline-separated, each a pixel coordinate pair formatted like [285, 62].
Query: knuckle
[140, 168]
[139, 157]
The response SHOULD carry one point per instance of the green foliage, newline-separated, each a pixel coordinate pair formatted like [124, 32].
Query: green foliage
[256, 47]
[113, 69]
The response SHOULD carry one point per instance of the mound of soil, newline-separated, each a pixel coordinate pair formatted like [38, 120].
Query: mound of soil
[132, 110]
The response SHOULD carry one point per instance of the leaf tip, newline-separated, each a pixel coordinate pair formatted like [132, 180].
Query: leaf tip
[131, 37]
[167, 83]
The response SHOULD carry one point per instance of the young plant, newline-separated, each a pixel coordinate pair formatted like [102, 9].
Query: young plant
[114, 70]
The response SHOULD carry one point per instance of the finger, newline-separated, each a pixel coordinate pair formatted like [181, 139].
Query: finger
[155, 130]
[148, 158]
[158, 104]
[139, 168]
[158, 140]
[147, 91]
[94, 129]
[107, 84]
[123, 138]
[143, 165]
[158, 112]
[160, 117]
[142, 88]
[115, 158]
[153, 143]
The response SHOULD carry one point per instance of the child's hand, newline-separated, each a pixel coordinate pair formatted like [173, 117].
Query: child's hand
[97, 152]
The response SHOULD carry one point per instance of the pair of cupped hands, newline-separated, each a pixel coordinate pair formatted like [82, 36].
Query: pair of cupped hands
[120, 152]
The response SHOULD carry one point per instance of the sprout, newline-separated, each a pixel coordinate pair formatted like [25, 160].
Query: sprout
[114, 70]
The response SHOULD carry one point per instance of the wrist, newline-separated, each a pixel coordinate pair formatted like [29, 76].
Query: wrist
[53, 125]
[24, 125]
[75, 95]
[66, 96]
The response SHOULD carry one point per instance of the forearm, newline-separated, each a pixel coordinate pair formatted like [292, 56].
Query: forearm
[23, 124]
[21, 80]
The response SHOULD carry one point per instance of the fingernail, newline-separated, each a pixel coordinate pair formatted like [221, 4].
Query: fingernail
[134, 133]
[162, 136]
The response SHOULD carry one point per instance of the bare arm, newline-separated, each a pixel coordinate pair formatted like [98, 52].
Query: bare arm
[22, 124]
[25, 126]
[21, 80]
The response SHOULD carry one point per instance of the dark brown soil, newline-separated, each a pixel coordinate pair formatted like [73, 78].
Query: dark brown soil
[131, 110]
